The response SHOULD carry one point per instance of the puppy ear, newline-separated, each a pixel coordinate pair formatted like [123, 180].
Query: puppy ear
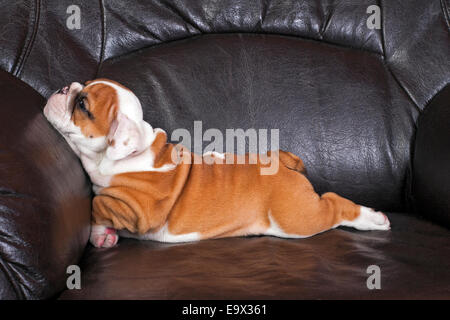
[123, 139]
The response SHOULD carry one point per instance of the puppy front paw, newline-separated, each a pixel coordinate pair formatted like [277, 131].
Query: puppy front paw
[103, 237]
[369, 219]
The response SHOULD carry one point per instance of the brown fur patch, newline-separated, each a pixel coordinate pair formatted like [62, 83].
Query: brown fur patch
[218, 200]
[107, 80]
[102, 102]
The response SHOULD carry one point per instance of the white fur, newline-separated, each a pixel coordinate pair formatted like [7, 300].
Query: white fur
[140, 162]
[276, 231]
[93, 151]
[129, 104]
[368, 219]
[162, 235]
[214, 154]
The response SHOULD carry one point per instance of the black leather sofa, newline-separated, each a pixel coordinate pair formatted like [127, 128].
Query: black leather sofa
[368, 110]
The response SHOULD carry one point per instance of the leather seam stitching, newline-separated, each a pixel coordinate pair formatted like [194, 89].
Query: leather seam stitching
[445, 9]
[103, 43]
[383, 45]
[403, 88]
[174, 9]
[29, 45]
[23, 49]
[9, 276]
[325, 25]
[248, 33]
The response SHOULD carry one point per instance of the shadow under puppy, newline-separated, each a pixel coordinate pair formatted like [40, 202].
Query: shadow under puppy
[142, 191]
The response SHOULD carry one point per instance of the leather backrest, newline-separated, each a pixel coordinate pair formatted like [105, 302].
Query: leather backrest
[38, 47]
[339, 109]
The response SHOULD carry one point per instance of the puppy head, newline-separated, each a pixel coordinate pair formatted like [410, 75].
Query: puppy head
[100, 117]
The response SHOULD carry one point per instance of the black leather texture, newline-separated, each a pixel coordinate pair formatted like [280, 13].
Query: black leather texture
[40, 49]
[431, 183]
[417, 46]
[366, 109]
[354, 136]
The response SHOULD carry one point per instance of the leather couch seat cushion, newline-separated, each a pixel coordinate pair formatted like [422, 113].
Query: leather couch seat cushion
[413, 258]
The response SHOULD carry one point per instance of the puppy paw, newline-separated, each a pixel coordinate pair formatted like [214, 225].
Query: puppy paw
[103, 237]
[369, 219]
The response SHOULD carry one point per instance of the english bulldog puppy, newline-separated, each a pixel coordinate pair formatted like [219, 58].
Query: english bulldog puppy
[142, 192]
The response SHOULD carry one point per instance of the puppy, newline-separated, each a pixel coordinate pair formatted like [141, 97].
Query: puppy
[142, 192]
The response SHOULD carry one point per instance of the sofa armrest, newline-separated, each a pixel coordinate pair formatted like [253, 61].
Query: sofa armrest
[44, 198]
[431, 162]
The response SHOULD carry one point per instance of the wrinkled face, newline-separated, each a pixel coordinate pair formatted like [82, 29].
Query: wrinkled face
[100, 116]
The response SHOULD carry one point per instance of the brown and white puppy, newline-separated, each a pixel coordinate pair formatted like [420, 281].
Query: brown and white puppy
[142, 193]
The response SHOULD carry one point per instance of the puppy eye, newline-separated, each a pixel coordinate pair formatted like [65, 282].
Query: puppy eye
[82, 105]
[83, 108]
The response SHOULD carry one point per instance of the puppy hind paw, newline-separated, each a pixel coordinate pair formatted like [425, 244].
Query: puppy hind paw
[369, 219]
[103, 237]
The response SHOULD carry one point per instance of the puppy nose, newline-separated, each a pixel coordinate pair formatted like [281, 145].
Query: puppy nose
[63, 90]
